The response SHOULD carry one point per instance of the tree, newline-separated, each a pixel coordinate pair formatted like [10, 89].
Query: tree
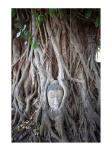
[55, 78]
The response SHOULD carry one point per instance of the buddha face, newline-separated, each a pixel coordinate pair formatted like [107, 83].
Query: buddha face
[55, 95]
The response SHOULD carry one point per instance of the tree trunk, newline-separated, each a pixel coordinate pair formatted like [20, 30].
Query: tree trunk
[55, 85]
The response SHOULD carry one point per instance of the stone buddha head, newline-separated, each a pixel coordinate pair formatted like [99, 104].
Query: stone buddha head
[54, 95]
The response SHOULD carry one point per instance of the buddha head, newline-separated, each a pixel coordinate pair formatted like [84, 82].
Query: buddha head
[54, 95]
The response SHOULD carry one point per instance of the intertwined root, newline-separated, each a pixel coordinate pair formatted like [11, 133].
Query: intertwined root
[61, 56]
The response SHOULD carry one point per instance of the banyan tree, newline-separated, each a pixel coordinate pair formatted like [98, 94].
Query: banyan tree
[55, 77]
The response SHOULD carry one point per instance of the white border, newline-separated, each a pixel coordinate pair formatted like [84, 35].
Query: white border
[5, 68]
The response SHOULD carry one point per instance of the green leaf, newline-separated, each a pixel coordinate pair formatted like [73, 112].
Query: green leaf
[88, 13]
[25, 35]
[35, 44]
[53, 12]
[40, 19]
[35, 14]
[30, 39]
[13, 13]
[97, 22]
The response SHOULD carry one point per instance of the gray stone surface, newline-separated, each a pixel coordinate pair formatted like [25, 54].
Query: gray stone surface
[54, 95]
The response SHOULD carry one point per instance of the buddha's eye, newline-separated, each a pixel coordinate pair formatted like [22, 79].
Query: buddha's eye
[51, 94]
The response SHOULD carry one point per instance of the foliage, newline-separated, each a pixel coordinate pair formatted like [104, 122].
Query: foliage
[39, 18]
[35, 44]
[97, 21]
[13, 13]
[25, 34]
[54, 12]
[88, 13]
[93, 15]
